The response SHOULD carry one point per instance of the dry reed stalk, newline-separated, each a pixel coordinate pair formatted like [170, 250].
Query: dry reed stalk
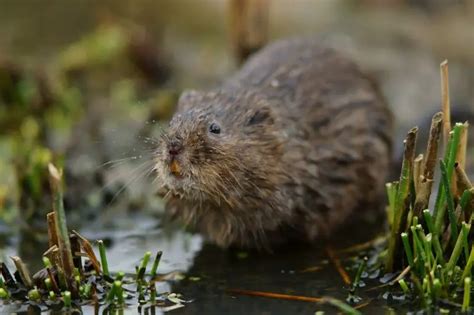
[418, 171]
[462, 179]
[446, 106]
[52, 278]
[87, 247]
[76, 251]
[425, 185]
[52, 236]
[55, 178]
[402, 201]
[462, 147]
[23, 272]
[53, 254]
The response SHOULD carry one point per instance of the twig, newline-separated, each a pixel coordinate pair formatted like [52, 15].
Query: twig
[401, 275]
[337, 264]
[311, 269]
[277, 295]
[362, 305]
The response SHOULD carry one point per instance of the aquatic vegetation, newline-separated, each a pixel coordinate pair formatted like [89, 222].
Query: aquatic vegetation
[432, 243]
[34, 108]
[66, 282]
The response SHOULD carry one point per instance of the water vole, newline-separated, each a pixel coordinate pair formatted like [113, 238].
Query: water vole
[292, 145]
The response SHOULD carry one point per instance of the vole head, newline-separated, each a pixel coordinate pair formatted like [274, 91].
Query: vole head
[219, 147]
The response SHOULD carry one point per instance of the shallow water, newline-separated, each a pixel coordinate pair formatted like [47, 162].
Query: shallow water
[204, 274]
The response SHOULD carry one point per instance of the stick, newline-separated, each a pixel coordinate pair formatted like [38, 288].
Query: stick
[337, 263]
[277, 295]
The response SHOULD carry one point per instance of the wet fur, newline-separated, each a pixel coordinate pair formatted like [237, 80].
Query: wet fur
[305, 144]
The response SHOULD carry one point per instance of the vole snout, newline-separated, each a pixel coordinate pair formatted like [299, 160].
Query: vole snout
[175, 147]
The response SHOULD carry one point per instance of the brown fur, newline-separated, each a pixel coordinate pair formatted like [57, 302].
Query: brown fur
[305, 142]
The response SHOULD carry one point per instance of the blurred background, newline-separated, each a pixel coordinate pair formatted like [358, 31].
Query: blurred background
[89, 84]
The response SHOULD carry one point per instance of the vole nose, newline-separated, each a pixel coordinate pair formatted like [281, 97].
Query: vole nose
[175, 147]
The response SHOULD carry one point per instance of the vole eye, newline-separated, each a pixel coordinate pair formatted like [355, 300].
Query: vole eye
[215, 128]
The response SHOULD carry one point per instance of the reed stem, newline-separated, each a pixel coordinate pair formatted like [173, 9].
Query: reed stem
[103, 258]
[467, 295]
[401, 206]
[55, 178]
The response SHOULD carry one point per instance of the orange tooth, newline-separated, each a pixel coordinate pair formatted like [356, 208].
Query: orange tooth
[175, 168]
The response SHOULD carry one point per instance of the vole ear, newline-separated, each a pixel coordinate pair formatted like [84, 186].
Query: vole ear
[259, 116]
[188, 98]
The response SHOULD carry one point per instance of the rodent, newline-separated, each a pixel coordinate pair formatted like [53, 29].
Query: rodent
[293, 145]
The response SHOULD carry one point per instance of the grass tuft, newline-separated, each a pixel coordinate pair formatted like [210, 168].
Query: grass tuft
[65, 278]
[434, 244]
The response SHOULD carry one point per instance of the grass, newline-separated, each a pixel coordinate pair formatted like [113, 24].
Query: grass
[433, 241]
[66, 281]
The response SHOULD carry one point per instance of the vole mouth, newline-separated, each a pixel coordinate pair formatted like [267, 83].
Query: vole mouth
[175, 168]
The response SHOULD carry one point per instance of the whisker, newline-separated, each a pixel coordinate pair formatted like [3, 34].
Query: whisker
[142, 170]
[148, 140]
[117, 162]
[153, 182]
[139, 168]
